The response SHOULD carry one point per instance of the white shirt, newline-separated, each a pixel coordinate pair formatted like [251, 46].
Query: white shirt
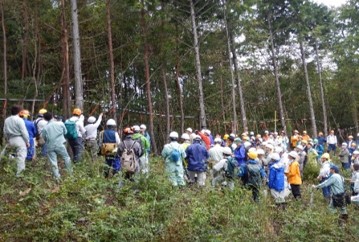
[91, 129]
[216, 153]
[332, 139]
[40, 123]
[325, 169]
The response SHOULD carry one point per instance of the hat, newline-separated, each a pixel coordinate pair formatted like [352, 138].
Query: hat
[300, 147]
[296, 131]
[293, 154]
[77, 111]
[189, 130]
[207, 132]
[278, 149]
[260, 152]
[344, 144]
[274, 156]
[24, 113]
[356, 152]
[252, 154]
[128, 130]
[227, 151]
[247, 144]
[304, 132]
[217, 140]
[197, 137]
[185, 136]
[266, 132]
[143, 127]
[226, 136]
[334, 167]
[325, 156]
[42, 111]
[173, 134]
[136, 128]
[91, 119]
[237, 140]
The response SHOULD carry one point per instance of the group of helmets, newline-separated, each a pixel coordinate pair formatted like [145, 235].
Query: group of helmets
[134, 129]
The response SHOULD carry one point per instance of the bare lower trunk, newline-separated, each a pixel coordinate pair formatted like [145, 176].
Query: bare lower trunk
[3, 27]
[321, 86]
[203, 121]
[111, 60]
[167, 100]
[234, 104]
[178, 81]
[66, 99]
[222, 98]
[309, 93]
[276, 75]
[25, 40]
[147, 78]
[77, 56]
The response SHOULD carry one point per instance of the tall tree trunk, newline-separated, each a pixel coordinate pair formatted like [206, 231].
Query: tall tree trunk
[276, 74]
[147, 77]
[77, 56]
[3, 27]
[167, 100]
[222, 98]
[239, 81]
[66, 98]
[112, 64]
[309, 93]
[178, 81]
[203, 121]
[322, 96]
[234, 104]
[25, 39]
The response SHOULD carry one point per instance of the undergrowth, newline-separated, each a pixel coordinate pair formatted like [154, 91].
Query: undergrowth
[88, 207]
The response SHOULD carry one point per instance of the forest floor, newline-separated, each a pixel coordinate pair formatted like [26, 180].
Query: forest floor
[88, 207]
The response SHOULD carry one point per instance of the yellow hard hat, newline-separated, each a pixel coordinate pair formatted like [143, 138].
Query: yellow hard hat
[226, 136]
[24, 113]
[42, 111]
[252, 154]
[325, 156]
[77, 111]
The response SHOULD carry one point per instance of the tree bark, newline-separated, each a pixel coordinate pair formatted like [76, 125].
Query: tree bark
[147, 78]
[25, 40]
[178, 81]
[203, 121]
[309, 93]
[276, 75]
[66, 98]
[234, 104]
[321, 86]
[3, 27]
[167, 100]
[77, 56]
[111, 60]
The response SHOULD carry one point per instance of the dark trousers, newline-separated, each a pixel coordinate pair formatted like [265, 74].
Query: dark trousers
[296, 191]
[77, 148]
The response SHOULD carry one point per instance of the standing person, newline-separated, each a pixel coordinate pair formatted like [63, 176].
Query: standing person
[351, 149]
[174, 155]
[143, 130]
[16, 135]
[305, 136]
[30, 126]
[129, 151]
[144, 166]
[240, 152]
[205, 136]
[40, 123]
[293, 175]
[294, 139]
[91, 135]
[302, 155]
[276, 180]
[324, 174]
[350, 140]
[319, 149]
[332, 142]
[53, 134]
[110, 141]
[344, 156]
[252, 174]
[197, 156]
[283, 140]
[321, 139]
[224, 170]
[336, 184]
[75, 132]
[216, 152]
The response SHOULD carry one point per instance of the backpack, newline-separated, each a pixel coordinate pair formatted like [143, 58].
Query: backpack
[128, 159]
[71, 129]
[175, 155]
[254, 175]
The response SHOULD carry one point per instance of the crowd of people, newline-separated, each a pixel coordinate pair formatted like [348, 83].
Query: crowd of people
[273, 160]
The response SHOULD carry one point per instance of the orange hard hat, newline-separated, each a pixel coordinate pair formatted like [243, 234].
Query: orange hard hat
[77, 111]
[24, 113]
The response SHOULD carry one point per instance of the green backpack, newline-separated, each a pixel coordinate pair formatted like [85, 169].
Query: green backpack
[71, 130]
[254, 175]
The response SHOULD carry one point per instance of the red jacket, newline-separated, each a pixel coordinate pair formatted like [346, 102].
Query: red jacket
[205, 139]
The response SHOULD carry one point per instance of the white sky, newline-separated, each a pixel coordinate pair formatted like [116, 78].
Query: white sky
[331, 3]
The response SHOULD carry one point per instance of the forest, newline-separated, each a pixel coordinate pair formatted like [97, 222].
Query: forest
[226, 65]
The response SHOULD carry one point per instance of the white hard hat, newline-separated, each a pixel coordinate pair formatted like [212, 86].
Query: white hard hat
[344, 144]
[278, 149]
[270, 146]
[197, 137]
[137, 128]
[356, 152]
[232, 135]
[189, 130]
[91, 119]
[174, 134]
[274, 156]
[185, 136]
[300, 147]
[217, 140]
[251, 133]
[293, 154]
[247, 144]
[207, 132]
[227, 151]
[260, 152]
[111, 122]
[143, 127]
[266, 132]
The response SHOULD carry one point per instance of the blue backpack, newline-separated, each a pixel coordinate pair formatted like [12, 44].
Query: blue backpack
[71, 130]
[175, 155]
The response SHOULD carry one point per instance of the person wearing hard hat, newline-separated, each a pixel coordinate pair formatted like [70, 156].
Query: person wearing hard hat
[351, 149]
[350, 140]
[324, 174]
[355, 185]
[294, 139]
[30, 126]
[53, 134]
[186, 141]
[293, 175]
[319, 149]
[302, 155]
[144, 132]
[321, 139]
[174, 154]
[16, 136]
[332, 142]
[337, 187]
[205, 137]
[75, 132]
[144, 163]
[344, 156]
[240, 152]
[215, 152]
[283, 140]
[224, 170]
[355, 158]
[110, 141]
[197, 155]
[252, 174]
[40, 123]
[305, 136]
[276, 180]
[91, 135]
